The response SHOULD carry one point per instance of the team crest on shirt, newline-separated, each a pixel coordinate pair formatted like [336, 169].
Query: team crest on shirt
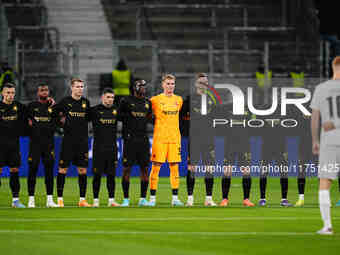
[49, 109]
[114, 112]
[15, 108]
[83, 105]
[147, 106]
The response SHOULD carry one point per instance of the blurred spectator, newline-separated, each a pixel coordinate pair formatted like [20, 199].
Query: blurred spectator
[264, 82]
[6, 74]
[121, 80]
[297, 75]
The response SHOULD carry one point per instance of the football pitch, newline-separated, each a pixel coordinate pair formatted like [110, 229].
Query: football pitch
[165, 230]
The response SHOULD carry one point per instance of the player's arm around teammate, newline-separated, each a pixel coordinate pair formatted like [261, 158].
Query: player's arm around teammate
[42, 124]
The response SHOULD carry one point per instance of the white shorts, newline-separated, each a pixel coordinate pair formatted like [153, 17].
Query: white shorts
[329, 162]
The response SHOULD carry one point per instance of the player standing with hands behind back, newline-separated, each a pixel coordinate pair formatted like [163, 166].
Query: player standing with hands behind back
[166, 138]
[326, 104]
[13, 117]
[74, 111]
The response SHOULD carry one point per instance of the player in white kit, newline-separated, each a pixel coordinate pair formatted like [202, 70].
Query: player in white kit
[326, 105]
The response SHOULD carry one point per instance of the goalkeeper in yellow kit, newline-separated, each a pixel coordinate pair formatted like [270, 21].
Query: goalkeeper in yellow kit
[166, 138]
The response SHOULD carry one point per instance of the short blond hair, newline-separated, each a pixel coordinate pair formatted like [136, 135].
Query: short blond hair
[200, 75]
[168, 77]
[336, 63]
[74, 80]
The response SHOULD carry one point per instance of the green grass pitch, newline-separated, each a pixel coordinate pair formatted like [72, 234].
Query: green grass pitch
[165, 230]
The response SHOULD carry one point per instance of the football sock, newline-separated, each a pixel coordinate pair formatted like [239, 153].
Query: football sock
[284, 187]
[174, 176]
[209, 184]
[325, 204]
[125, 187]
[190, 183]
[96, 185]
[263, 186]
[154, 176]
[225, 187]
[143, 188]
[246, 183]
[110, 185]
[49, 182]
[60, 184]
[301, 185]
[31, 180]
[82, 181]
[14, 184]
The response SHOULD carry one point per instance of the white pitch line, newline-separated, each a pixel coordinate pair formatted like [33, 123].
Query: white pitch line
[159, 219]
[80, 232]
[169, 206]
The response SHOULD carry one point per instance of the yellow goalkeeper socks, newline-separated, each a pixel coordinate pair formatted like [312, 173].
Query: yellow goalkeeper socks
[174, 176]
[154, 176]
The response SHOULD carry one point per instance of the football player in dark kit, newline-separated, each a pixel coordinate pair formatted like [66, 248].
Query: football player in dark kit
[136, 113]
[199, 146]
[13, 117]
[237, 145]
[273, 148]
[104, 118]
[306, 159]
[74, 114]
[43, 125]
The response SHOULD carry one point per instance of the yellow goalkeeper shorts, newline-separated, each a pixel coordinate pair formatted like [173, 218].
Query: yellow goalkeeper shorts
[162, 152]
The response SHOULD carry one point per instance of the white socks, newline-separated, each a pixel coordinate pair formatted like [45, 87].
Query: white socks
[301, 197]
[49, 198]
[174, 197]
[191, 199]
[208, 198]
[325, 205]
[152, 198]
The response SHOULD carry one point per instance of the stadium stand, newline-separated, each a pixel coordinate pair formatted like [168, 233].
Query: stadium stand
[83, 22]
[227, 39]
[33, 48]
[222, 38]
